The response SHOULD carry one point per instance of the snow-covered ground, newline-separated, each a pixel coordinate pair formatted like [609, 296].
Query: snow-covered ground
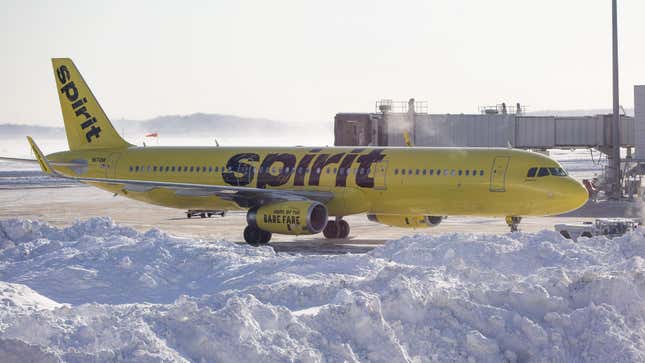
[97, 291]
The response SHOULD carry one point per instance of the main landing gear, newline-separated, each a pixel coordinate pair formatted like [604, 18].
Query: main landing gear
[255, 236]
[513, 222]
[338, 228]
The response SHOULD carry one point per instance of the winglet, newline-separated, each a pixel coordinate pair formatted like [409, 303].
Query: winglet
[42, 160]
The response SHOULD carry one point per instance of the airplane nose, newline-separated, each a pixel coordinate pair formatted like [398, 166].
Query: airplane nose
[577, 195]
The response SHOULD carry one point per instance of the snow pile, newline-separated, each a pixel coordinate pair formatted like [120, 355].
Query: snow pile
[117, 294]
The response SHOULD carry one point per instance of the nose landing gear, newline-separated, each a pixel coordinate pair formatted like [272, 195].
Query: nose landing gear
[338, 228]
[513, 222]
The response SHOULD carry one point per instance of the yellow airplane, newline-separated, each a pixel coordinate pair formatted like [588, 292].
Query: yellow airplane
[296, 190]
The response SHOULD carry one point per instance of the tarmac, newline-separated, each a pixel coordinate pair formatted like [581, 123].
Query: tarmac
[62, 205]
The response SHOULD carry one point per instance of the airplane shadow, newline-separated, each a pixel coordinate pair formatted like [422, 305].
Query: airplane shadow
[325, 246]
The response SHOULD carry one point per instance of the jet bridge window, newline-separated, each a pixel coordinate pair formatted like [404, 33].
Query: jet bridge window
[543, 172]
[531, 173]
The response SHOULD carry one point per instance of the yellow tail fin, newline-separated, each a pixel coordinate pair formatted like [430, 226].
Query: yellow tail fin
[86, 124]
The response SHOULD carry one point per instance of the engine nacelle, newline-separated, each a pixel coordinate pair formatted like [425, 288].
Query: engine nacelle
[293, 217]
[404, 221]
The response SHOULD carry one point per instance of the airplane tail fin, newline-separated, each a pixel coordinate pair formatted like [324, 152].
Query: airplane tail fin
[86, 124]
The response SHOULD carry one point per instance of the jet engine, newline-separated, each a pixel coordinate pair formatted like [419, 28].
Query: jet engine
[406, 221]
[292, 217]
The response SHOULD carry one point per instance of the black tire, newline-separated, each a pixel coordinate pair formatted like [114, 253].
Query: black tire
[586, 234]
[265, 237]
[565, 234]
[252, 235]
[331, 230]
[343, 229]
[203, 215]
[188, 215]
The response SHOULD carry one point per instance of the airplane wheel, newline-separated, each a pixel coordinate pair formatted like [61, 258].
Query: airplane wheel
[265, 237]
[331, 230]
[256, 236]
[343, 228]
[252, 235]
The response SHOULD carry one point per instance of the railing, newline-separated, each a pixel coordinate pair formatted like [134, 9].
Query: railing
[387, 105]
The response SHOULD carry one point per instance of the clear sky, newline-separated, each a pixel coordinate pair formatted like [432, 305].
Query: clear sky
[305, 61]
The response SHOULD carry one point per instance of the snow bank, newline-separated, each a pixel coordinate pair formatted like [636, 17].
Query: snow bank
[105, 292]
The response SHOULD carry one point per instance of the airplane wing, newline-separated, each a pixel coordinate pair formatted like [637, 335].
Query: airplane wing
[245, 197]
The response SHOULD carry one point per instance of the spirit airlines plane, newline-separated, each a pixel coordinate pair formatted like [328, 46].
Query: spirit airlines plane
[306, 190]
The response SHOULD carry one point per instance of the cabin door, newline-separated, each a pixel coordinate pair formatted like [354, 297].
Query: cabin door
[110, 165]
[379, 175]
[498, 174]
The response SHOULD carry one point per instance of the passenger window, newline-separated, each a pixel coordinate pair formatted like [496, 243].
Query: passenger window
[423, 171]
[467, 172]
[402, 171]
[417, 172]
[192, 168]
[216, 168]
[460, 172]
[474, 172]
[328, 169]
[396, 171]
[131, 169]
[452, 172]
[431, 172]
[137, 168]
[335, 170]
[445, 172]
[172, 169]
[543, 172]
[409, 171]
[481, 173]
[154, 168]
[168, 168]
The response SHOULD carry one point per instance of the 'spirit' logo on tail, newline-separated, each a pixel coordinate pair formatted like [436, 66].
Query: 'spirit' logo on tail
[77, 103]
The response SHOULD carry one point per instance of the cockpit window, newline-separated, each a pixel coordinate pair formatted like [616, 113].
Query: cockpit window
[543, 172]
[557, 172]
[531, 173]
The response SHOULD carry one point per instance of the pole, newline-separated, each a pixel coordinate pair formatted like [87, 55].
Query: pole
[615, 129]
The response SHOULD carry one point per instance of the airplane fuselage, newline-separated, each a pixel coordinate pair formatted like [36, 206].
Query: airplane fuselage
[378, 180]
